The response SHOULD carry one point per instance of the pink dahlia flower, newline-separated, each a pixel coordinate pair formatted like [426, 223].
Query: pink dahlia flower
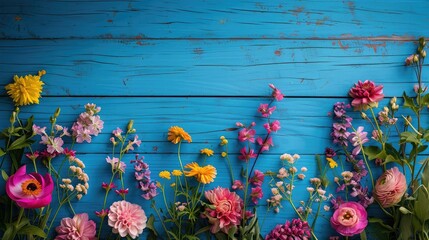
[390, 187]
[77, 227]
[127, 219]
[296, 230]
[366, 95]
[349, 219]
[227, 209]
[30, 190]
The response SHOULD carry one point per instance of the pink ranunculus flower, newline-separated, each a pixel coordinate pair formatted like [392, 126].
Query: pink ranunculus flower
[366, 95]
[349, 219]
[126, 218]
[227, 209]
[390, 187]
[30, 190]
[78, 227]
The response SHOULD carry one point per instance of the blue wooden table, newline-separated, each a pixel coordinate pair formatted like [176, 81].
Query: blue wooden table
[204, 65]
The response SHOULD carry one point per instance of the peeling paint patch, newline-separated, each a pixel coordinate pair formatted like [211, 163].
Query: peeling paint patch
[198, 51]
[18, 18]
[278, 52]
[343, 46]
[352, 7]
[322, 21]
[155, 148]
[375, 46]
[297, 11]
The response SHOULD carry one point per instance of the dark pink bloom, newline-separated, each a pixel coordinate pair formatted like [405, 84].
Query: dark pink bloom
[276, 93]
[102, 213]
[330, 153]
[246, 134]
[257, 179]
[265, 146]
[108, 186]
[122, 192]
[390, 187]
[33, 156]
[30, 190]
[272, 127]
[69, 152]
[296, 230]
[349, 219]
[256, 194]
[246, 156]
[237, 185]
[78, 227]
[265, 110]
[366, 95]
[225, 212]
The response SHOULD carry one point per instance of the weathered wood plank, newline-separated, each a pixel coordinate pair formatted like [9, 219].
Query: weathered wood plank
[207, 68]
[213, 19]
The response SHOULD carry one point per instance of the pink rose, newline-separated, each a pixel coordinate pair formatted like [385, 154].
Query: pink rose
[390, 187]
[30, 190]
[349, 219]
[365, 95]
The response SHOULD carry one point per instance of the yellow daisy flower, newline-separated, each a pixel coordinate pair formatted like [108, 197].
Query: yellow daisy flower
[176, 134]
[165, 174]
[204, 175]
[207, 152]
[332, 162]
[26, 90]
[177, 173]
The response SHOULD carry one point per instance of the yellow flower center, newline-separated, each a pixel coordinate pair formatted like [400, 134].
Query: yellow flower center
[31, 187]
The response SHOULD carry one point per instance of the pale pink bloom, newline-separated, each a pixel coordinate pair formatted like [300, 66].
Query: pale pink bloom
[117, 132]
[265, 110]
[390, 187]
[38, 130]
[282, 173]
[272, 127]
[358, 138]
[366, 95]
[226, 211]
[349, 219]
[246, 135]
[55, 145]
[131, 144]
[265, 146]
[127, 219]
[276, 93]
[115, 166]
[78, 227]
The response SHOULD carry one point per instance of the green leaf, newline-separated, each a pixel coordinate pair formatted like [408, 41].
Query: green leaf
[381, 223]
[405, 229]
[372, 152]
[33, 230]
[363, 235]
[2, 152]
[4, 175]
[10, 232]
[390, 158]
[425, 100]
[409, 137]
[425, 174]
[421, 204]
[20, 143]
[409, 103]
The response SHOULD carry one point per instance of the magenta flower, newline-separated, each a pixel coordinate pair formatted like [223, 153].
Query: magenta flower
[108, 186]
[296, 230]
[366, 95]
[246, 156]
[349, 219]
[30, 190]
[246, 135]
[102, 212]
[358, 138]
[256, 194]
[127, 219]
[265, 110]
[257, 179]
[225, 212]
[77, 227]
[272, 127]
[265, 146]
[237, 185]
[390, 187]
[276, 93]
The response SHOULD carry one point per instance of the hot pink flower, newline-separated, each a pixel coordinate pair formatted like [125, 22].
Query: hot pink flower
[265, 110]
[246, 134]
[127, 219]
[256, 194]
[77, 227]
[226, 211]
[390, 187]
[272, 127]
[349, 219]
[30, 190]
[276, 93]
[366, 95]
[257, 179]
[246, 156]
[265, 146]
[237, 185]
[297, 229]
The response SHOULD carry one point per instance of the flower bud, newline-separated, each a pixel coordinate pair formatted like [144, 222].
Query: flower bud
[423, 53]
[363, 115]
[130, 126]
[57, 112]
[415, 58]
[13, 118]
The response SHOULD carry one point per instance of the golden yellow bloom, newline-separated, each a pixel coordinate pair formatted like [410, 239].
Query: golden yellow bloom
[332, 162]
[176, 134]
[177, 173]
[224, 154]
[165, 174]
[207, 152]
[173, 185]
[204, 175]
[26, 90]
[223, 141]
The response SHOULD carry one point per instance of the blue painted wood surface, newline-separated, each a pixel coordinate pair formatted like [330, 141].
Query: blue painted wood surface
[204, 65]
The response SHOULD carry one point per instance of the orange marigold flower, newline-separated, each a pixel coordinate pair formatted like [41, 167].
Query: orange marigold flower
[207, 152]
[176, 134]
[204, 175]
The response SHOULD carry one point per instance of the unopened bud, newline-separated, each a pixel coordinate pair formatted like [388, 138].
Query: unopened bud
[416, 58]
[409, 119]
[423, 53]
[13, 118]
[363, 115]
[57, 112]
[130, 125]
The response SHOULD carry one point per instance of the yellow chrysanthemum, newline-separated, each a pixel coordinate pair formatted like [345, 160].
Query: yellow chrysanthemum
[204, 175]
[177, 173]
[332, 162]
[207, 152]
[26, 90]
[176, 134]
[165, 174]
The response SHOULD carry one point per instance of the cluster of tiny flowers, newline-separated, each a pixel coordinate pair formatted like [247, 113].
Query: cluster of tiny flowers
[88, 124]
[297, 230]
[339, 129]
[384, 118]
[54, 142]
[142, 176]
[77, 170]
[180, 206]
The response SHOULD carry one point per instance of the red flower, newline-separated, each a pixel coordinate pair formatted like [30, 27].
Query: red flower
[366, 95]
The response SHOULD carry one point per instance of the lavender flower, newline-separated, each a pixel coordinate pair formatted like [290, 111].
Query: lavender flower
[357, 139]
[142, 175]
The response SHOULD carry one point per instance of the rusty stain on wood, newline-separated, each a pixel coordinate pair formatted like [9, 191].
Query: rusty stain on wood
[352, 7]
[198, 51]
[278, 52]
[374, 46]
[18, 18]
[297, 11]
[343, 46]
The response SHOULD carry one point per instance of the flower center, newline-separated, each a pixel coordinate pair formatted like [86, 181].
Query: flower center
[31, 187]
[348, 217]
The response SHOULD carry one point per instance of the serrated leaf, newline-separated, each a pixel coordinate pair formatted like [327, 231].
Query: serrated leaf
[10, 230]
